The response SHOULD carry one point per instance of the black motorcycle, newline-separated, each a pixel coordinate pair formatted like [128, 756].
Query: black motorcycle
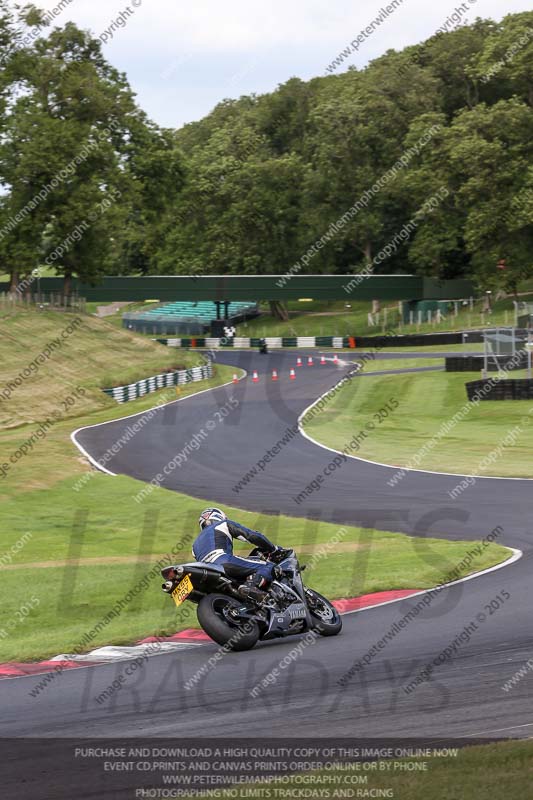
[237, 615]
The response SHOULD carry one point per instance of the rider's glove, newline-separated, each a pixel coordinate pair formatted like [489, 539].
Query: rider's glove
[278, 554]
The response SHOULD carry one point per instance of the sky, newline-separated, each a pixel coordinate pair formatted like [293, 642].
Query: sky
[182, 59]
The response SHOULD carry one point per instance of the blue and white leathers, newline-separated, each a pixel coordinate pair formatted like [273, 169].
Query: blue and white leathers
[214, 545]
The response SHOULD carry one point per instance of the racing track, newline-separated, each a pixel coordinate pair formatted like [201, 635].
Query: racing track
[465, 698]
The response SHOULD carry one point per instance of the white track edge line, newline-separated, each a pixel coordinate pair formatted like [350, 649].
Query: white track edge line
[97, 662]
[499, 730]
[390, 466]
[138, 414]
[516, 556]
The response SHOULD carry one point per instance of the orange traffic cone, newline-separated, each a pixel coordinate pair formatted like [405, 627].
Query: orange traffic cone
[335, 359]
[255, 378]
[292, 375]
[274, 375]
[298, 362]
[235, 379]
[310, 361]
[323, 360]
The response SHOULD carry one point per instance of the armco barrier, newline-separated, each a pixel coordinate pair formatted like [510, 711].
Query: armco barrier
[415, 339]
[513, 389]
[122, 394]
[357, 342]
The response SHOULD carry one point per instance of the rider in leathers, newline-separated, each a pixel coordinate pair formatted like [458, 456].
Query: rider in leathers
[214, 545]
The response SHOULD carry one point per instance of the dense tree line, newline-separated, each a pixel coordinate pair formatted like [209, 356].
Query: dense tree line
[251, 187]
[87, 178]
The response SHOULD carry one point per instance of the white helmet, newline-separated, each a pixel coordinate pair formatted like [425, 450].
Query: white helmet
[209, 516]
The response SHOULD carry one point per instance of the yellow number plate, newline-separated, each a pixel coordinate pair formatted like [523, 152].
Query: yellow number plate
[182, 590]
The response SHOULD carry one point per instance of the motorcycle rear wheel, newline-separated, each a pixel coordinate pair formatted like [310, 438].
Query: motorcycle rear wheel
[328, 619]
[213, 617]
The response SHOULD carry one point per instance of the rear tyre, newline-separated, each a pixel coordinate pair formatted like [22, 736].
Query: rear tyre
[214, 615]
[328, 620]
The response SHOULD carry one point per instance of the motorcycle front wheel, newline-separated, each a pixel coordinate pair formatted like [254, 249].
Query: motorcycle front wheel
[328, 620]
[216, 618]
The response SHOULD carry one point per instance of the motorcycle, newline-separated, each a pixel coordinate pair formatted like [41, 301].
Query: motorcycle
[238, 616]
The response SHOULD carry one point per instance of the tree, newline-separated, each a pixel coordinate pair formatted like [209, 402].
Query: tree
[506, 61]
[358, 126]
[239, 207]
[449, 57]
[490, 158]
[9, 41]
[63, 154]
[264, 184]
[156, 169]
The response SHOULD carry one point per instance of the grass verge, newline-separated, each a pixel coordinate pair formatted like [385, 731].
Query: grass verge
[74, 542]
[334, 319]
[501, 432]
[45, 356]
[501, 771]
[382, 364]
[67, 529]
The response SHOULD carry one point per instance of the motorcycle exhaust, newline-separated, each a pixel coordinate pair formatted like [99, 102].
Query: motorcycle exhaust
[168, 586]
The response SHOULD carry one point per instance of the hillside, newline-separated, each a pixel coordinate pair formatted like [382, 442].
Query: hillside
[50, 355]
